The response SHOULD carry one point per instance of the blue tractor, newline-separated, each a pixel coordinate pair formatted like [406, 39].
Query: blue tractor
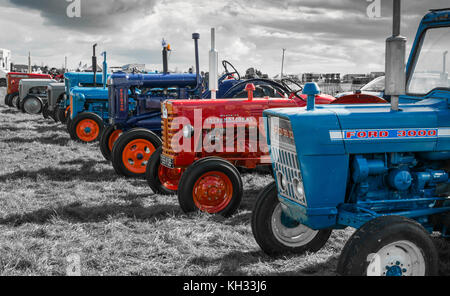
[382, 169]
[89, 108]
[133, 135]
[61, 104]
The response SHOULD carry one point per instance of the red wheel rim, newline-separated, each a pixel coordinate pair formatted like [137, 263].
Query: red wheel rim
[169, 178]
[87, 130]
[113, 137]
[212, 192]
[67, 111]
[136, 155]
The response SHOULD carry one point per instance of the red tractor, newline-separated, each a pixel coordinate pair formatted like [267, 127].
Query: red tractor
[204, 141]
[13, 79]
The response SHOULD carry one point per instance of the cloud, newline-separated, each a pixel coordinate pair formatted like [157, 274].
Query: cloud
[96, 15]
[320, 35]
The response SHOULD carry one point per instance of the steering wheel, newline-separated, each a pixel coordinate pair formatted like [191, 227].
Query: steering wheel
[293, 93]
[228, 73]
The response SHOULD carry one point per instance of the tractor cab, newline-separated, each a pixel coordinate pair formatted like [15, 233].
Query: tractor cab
[382, 169]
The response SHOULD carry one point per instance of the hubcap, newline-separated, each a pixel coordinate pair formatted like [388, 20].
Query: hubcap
[87, 130]
[136, 155]
[32, 106]
[169, 178]
[212, 192]
[402, 258]
[289, 232]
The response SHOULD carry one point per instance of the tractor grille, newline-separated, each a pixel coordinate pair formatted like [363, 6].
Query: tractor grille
[285, 158]
[167, 131]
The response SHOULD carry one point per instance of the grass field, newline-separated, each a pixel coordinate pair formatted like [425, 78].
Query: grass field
[61, 200]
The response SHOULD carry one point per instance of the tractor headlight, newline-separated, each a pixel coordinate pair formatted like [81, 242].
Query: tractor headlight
[282, 181]
[188, 131]
[298, 189]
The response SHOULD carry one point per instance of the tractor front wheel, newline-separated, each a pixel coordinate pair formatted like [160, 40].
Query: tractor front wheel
[389, 246]
[31, 105]
[161, 179]
[45, 111]
[132, 150]
[276, 233]
[211, 185]
[86, 127]
[107, 140]
[13, 99]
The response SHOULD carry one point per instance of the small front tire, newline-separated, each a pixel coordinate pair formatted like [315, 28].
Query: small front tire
[276, 233]
[107, 140]
[162, 180]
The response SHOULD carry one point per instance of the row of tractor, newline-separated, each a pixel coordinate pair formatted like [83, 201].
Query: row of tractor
[355, 161]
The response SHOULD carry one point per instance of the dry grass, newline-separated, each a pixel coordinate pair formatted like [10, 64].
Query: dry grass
[59, 198]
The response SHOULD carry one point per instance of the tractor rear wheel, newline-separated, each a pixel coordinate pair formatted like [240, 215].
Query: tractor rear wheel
[161, 179]
[132, 150]
[276, 233]
[211, 185]
[389, 246]
[86, 127]
[107, 140]
[31, 105]
[7, 100]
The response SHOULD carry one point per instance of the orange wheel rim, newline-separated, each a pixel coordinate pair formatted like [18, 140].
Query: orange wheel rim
[87, 130]
[169, 178]
[136, 155]
[113, 137]
[67, 111]
[212, 192]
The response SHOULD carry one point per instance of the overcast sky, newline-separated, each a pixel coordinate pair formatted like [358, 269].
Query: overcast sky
[319, 36]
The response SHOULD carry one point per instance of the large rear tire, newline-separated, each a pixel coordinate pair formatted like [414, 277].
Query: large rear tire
[162, 180]
[389, 246]
[211, 185]
[107, 140]
[276, 233]
[132, 150]
[7, 100]
[86, 127]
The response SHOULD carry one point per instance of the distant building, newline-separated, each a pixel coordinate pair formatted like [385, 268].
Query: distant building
[321, 77]
[311, 77]
[134, 68]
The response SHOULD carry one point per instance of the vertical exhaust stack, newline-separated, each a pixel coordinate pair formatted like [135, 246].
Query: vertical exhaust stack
[165, 57]
[94, 64]
[105, 70]
[395, 60]
[213, 66]
[196, 36]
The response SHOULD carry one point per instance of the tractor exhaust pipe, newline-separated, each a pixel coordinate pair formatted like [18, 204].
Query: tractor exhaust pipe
[395, 60]
[94, 64]
[165, 57]
[213, 66]
[105, 70]
[196, 36]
